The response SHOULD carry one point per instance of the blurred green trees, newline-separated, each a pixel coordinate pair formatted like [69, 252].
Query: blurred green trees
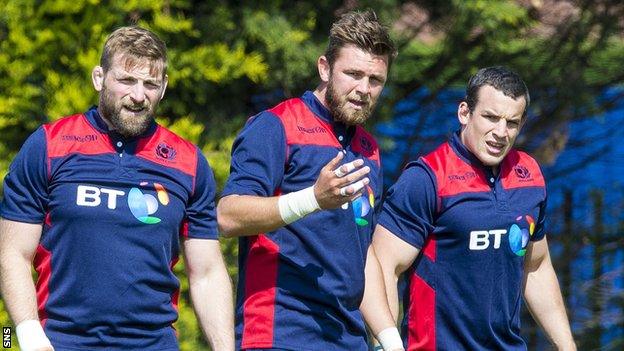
[231, 59]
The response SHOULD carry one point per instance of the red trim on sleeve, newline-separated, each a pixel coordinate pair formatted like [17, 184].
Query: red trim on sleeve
[429, 249]
[519, 170]
[184, 228]
[74, 134]
[302, 127]
[421, 322]
[260, 290]
[175, 296]
[167, 149]
[42, 264]
[453, 175]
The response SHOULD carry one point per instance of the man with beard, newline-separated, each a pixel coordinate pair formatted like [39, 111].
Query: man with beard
[101, 203]
[466, 222]
[305, 178]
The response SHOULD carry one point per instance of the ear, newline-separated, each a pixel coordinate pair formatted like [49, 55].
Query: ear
[463, 113]
[97, 78]
[324, 69]
[164, 86]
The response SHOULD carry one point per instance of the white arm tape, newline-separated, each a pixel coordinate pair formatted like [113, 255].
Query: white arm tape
[298, 204]
[30, 335]
[350, 167]
[390, 339]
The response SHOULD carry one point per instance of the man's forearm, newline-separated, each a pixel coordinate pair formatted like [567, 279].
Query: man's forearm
[18, 242]
[374, 306]
[212, 301]
[544, 301]
[17, 287]
[241, 215]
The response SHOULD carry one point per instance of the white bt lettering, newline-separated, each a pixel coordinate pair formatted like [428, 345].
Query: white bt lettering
[480, 239]
[90, 196]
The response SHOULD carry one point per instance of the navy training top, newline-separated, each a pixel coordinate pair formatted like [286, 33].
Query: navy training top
[464, 289]
[112, 211]
[300, 286]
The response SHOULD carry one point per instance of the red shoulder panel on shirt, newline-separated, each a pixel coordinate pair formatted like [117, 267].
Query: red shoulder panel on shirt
[454, 175]
[74, 134]
[302, 127]
[365, 144]
[167, 149]
[519, 170]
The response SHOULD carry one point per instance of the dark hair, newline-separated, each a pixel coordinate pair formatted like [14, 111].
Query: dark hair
[135, 43]
[363, 30]
[500, 78]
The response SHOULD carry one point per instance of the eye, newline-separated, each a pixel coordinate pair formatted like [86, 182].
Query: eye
[126, 80]
[513, 124]
[354, 74]
[151, 85]
[491, 118]
[376, 80]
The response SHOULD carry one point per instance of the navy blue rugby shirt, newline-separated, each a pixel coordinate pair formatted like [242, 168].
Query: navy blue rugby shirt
[113, 211]
[301, 285]
[473, 227]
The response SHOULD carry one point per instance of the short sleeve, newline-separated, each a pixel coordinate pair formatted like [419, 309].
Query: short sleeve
[258, 157]
[540, 224]
[26, 183]
[201, 216]
[410, 206]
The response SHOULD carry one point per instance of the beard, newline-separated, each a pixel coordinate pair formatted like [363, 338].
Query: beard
[338, 109]
[125, 122]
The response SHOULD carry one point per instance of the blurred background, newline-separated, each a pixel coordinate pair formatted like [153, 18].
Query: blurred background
[231, 59]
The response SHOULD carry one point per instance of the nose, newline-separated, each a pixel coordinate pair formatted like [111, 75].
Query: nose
[363, 86]
[500, 128]
[137, 92]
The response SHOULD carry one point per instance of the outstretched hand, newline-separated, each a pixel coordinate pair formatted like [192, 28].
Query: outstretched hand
[338, 184]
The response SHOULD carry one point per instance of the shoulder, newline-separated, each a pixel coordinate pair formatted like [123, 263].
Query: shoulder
[521, 170]
[168, 149]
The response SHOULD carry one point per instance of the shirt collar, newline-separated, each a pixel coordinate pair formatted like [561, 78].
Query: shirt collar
[94, 118]
[462, 151]
[317, 107]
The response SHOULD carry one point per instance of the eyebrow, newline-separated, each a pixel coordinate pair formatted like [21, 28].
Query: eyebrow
[491, 113]
[125, 75]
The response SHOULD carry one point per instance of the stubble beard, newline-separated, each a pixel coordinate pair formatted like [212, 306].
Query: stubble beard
[127, 126]
[340, 113]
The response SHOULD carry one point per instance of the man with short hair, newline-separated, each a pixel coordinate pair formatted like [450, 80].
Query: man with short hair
[305, 178]
[103, 201]
[467, 223]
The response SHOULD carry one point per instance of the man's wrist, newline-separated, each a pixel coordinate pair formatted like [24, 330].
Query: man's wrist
[390, 339]
[30, 335]
[298, 204]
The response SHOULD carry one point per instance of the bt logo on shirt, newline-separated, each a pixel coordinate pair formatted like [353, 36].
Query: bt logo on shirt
[141, 205]
[518, 237]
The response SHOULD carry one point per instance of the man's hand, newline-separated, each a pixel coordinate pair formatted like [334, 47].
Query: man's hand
[337, 185]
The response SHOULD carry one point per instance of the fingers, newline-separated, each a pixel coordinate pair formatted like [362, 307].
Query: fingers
[352, 189]
[347, 168]
[333, 163]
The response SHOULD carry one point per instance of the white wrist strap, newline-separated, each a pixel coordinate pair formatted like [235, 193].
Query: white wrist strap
[390, 339]
[30, 335]
[298, 204]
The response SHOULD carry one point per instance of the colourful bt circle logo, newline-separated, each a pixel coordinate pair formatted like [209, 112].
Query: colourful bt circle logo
[362, 205]
[143, 205]
[519, 237]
